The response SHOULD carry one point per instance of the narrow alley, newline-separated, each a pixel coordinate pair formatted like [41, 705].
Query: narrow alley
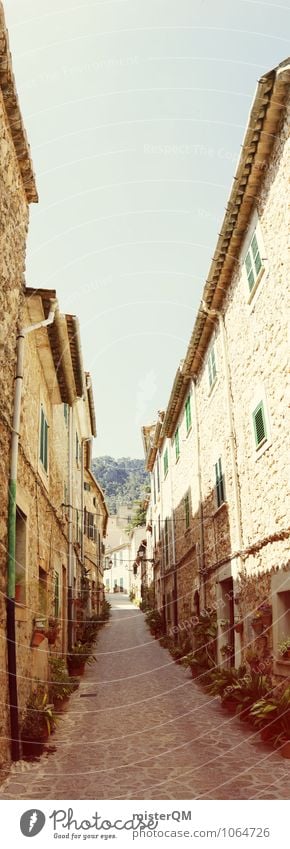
[138, 727]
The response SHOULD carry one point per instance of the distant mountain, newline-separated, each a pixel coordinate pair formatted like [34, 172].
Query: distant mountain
[124, 481]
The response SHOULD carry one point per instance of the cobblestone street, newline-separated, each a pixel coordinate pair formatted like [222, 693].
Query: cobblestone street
[139, 728]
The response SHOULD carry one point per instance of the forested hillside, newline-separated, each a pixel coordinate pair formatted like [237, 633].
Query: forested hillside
[124, 481]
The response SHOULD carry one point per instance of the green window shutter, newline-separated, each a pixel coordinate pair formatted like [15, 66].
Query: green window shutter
[56, 594]
[259, 425]
[41, 435]
[43, 450]
[250, 271]
[165, 462]
[212, 369]
[187, 516]
[45, 445]
[188, 414]
[176, 442]
[219, 483]
[158, 475]
[154, 487]
[256, 254]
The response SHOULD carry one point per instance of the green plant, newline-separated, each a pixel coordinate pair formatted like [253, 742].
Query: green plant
[61, 686]
[248, 689]
[284, 646]
[272, 713]
[224, 623]
[80, 654]
[106, 610]
[155, 622]
[40, 719]
[88, 630]
[222, 678]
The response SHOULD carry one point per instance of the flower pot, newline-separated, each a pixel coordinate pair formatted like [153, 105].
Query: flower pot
[37, 638]
[52, 636]
[75, 668]
[285, 750]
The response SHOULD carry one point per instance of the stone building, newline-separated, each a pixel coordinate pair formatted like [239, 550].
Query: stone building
[17, 191]
[95, 527]
[234, 371]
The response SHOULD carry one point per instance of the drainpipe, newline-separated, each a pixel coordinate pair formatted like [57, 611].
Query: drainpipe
[175, 604]
[70, 531]
[200, 505]
[12, 491]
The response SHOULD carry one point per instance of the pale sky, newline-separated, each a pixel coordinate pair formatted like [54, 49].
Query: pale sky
[135, 113]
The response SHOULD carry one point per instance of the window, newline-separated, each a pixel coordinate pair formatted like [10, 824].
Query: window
[56, 595]
[42, 591]
[259, 421]
[43, 448]
[20, 557]
[154, 487]
[158, 474]
[212, 369]
[94, 501]
[154, 536]
[188, 414]
[176, 443]
[187, 512]
[77, 448]
[65, 413]
[165, 462]
[219, 483]
[78, 526]
[166, 541]
[159, 528]
[253, 262]
[87, 487]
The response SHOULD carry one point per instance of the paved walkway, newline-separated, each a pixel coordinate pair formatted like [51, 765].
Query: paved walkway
[139, 728]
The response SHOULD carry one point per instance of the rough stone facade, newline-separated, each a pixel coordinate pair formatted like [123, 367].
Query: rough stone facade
[16, 191]
[238, 485]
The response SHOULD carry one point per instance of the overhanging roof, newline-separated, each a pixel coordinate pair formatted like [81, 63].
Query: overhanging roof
[12, 109]
[64, 339]
[265, 118]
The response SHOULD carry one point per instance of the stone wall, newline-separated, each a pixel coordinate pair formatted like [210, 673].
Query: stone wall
[40, 498]
[13, 231]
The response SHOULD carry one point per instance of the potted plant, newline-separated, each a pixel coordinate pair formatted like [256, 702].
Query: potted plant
[78, 657]
[266, 612]
[61, 685]
[257, 623]
[40, 721]
[284, 648]
[52, 631]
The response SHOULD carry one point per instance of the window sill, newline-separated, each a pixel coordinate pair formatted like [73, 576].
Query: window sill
[262, 448]
[256, 284]
[219, 509]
